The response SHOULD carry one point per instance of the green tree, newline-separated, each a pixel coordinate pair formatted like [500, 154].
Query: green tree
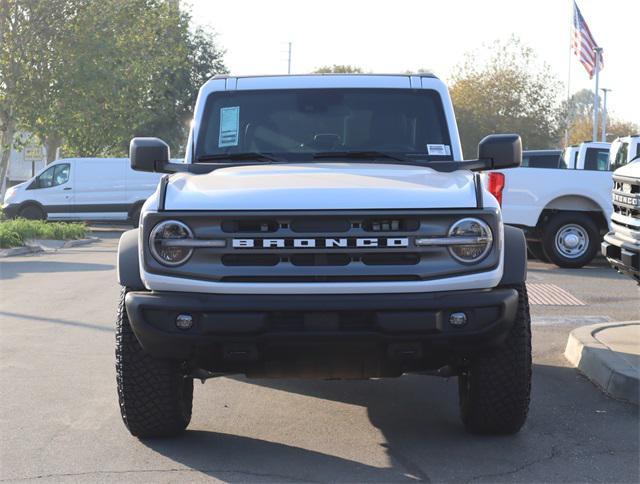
[28, 32]
[338, 69]
[511, 92]
[581, 127]
[130, 68]
[108, 71]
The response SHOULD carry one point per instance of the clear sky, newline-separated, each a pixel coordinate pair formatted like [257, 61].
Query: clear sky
[395, 36]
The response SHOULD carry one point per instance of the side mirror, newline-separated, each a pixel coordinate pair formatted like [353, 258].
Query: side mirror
[501, 151]
[148, 154]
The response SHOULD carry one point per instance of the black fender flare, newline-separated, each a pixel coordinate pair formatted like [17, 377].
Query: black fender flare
[129, 262]
[515, 257]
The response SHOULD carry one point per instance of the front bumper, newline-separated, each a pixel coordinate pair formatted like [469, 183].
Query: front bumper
[254, 334]
[622, 255]
[10, 210]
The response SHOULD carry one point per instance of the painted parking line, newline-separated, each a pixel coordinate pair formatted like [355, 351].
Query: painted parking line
[569, 320]
[551, 295]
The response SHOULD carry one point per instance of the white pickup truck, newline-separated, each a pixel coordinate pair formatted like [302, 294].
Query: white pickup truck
[564, 212]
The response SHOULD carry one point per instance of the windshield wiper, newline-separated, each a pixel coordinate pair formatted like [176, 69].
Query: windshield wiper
[249, 155]
[358, 155]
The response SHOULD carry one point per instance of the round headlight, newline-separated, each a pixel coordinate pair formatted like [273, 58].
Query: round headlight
[475, 240]
[163, 246]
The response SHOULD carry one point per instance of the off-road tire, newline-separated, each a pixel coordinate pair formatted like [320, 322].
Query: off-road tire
[495, 387]
[536, 251]
[32, 212]
[155, 397]
[555, 224]
[135, 216]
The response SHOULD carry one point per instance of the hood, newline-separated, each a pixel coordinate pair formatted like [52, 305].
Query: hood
[631, 170]
[317, 186]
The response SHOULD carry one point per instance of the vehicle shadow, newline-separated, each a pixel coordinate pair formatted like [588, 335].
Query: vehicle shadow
[12, 269]
[63, 322]
[423, 438]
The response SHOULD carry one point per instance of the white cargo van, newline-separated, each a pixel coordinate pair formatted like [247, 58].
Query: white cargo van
[82, 189]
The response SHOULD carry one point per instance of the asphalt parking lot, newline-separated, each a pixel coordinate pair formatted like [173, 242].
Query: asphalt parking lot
[59, 418]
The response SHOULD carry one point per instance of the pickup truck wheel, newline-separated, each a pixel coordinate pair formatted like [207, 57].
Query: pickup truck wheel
[495, 388]
[570, 239]
[155, 397]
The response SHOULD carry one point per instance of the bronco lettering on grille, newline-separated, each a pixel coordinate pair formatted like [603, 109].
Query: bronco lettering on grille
[321, 243]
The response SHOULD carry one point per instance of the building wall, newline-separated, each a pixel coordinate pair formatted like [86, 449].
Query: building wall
[26, 161]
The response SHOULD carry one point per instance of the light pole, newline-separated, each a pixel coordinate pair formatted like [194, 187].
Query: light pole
[604, 113]
[289, 60]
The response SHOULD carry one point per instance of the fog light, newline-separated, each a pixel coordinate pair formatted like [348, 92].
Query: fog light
[184, 321]
[458, 319]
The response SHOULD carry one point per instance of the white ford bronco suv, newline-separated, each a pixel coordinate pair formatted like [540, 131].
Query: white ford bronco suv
[621, 246]
[323, 226]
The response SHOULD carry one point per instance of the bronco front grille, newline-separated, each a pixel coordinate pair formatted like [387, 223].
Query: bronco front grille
[349, 246]
[626, 200]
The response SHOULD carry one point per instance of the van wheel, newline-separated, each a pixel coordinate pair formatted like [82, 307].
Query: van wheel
[32, 212]
[495, 387]
[155, 397]
[570, 239]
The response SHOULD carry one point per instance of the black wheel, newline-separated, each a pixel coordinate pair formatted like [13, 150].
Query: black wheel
[135, 216]
[535, 251]
[32, 212]
[495, 388]
[155, 397]
[570, 239]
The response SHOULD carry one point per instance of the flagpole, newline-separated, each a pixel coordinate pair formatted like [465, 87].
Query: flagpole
[568, 120]
[596, 94]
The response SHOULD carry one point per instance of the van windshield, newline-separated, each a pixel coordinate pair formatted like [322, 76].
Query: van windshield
[297, 125]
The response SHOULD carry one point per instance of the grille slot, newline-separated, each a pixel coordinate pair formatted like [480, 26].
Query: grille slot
[628, 212]
[391, 225]
[247, 260]
[249, 226]
[320, 259]
[322, 225]
[391, 259]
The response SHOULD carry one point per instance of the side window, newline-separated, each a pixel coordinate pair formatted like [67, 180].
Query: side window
[596, 160]
[52, 177]
[45, 180]
[61, 175]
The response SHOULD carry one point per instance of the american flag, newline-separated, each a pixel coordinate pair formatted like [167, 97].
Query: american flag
[583, 43]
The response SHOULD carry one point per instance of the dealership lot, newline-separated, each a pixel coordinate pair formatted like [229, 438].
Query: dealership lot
[59, 418]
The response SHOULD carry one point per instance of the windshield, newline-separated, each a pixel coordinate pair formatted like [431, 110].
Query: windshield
[618, 154]
[298, 124]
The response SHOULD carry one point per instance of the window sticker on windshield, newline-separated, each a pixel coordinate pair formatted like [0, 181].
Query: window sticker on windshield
[439, 150]
[229, 126]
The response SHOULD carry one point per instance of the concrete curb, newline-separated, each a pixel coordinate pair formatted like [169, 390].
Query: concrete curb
[602, 365]
[43, 245]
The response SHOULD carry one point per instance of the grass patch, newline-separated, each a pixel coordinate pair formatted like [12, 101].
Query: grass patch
[14, 233]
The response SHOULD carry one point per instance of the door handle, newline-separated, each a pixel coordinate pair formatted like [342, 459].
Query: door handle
[67, 188]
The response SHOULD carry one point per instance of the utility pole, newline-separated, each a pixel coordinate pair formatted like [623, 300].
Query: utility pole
[604, 113]
[596, 99]
[289, 60]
